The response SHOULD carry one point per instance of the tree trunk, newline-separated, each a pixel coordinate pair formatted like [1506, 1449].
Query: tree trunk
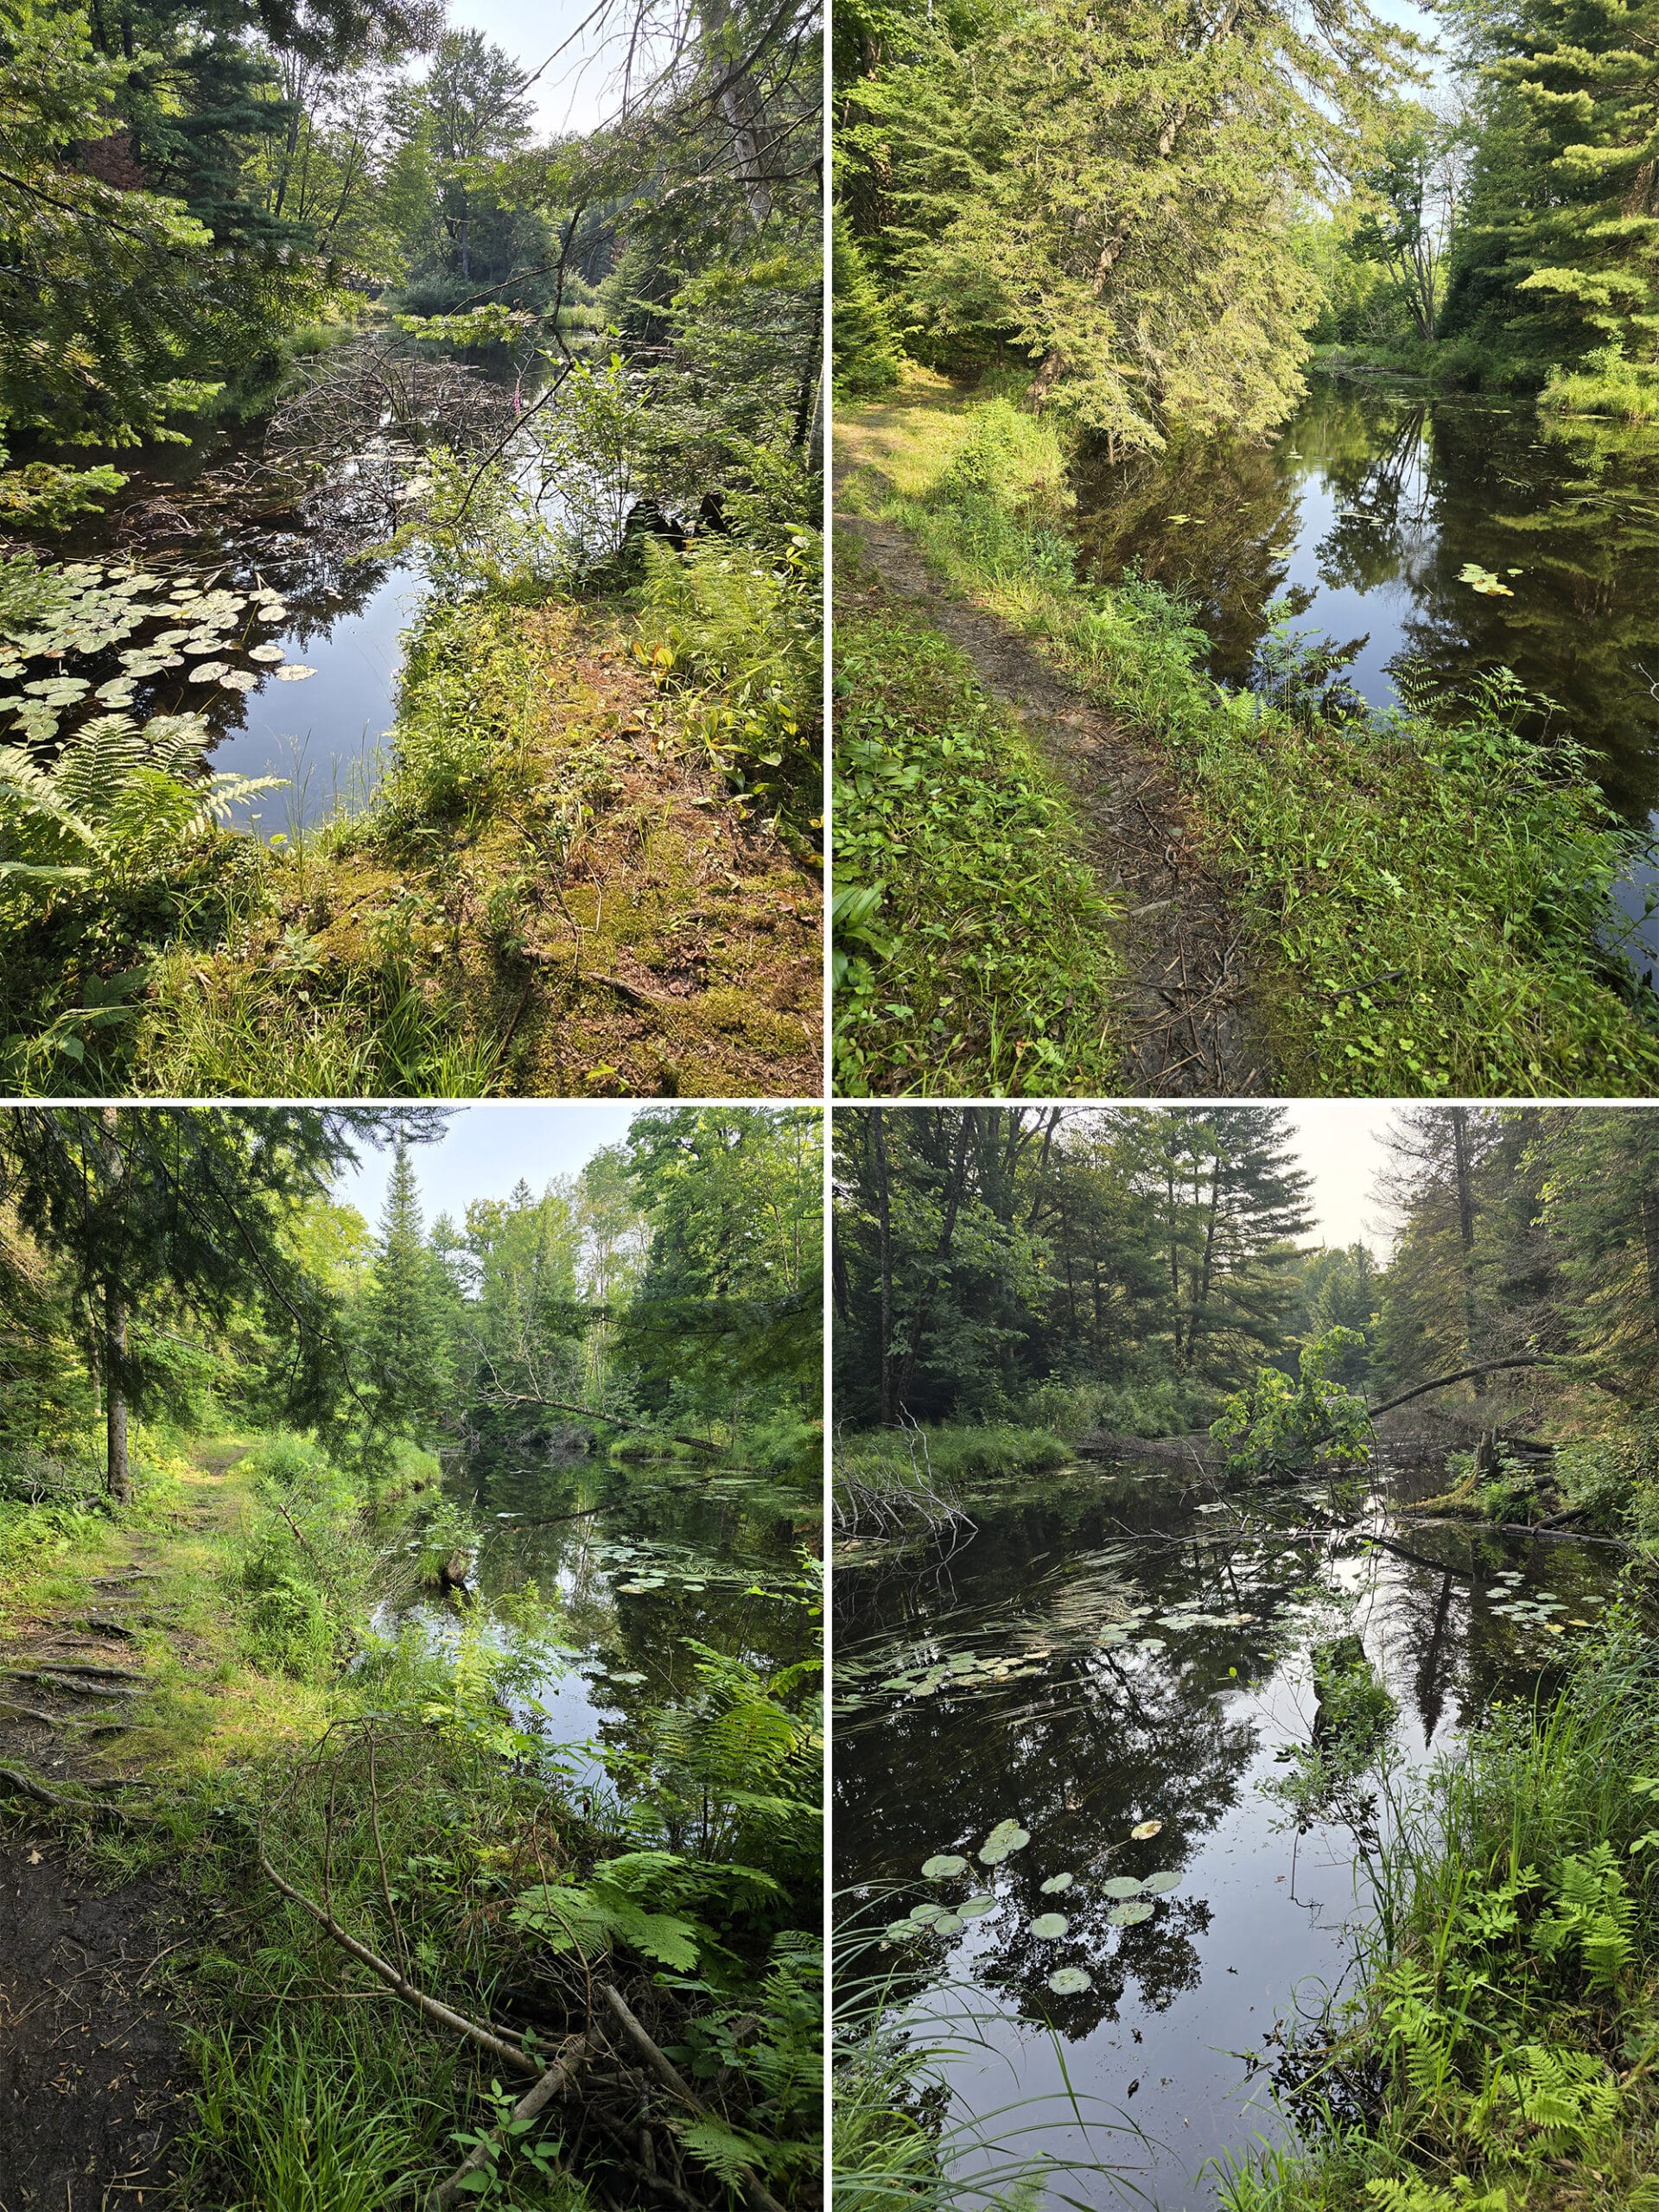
[883, 1227]
[1649, 1205]
[942, 1255]
[117, 1469]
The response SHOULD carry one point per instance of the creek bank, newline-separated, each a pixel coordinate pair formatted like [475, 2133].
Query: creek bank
[1423, 903]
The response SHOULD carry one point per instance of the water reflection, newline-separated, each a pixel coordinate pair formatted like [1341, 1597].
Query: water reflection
[630, 1567]
[1363, 516]
[1155, 1664]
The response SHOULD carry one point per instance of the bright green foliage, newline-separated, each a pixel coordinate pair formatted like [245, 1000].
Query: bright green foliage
[1558, 262]
[403, 1334]
[972, 944]
[1278, 1424]
[868, 357]
[1113, 194]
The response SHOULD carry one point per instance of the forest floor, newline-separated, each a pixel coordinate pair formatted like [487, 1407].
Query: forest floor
[1188, 1030]
[554, 894]
[98, 1666]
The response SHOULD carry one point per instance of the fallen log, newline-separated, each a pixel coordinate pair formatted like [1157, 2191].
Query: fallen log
[25, 1785]
[557, 2079]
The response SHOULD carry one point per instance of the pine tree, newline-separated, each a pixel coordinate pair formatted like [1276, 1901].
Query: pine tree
[404, 1332]
[1560, 251]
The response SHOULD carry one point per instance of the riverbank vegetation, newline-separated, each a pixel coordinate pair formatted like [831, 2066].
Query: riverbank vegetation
[1136, 1288]
[1126, 242]
[1423, 895]
[574, 384]
[262, 1681]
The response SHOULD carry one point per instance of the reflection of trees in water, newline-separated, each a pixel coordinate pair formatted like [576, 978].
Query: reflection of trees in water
[1422, 489]
[1224, 557]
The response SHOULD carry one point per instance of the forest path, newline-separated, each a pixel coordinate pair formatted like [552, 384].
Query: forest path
[1189, 1031]
[92, 2077]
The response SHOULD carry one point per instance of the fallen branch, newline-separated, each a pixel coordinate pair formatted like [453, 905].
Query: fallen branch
[557, 2080]
[592, 1413]
[755, 2192]
[1463, 1375]
[484, 2037]
[1537, 1529]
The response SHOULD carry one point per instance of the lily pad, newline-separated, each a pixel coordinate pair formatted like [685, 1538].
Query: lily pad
[925, 1915]
[1056, 1883]
[947, 1923]
[271, 653]
[901, 1931]
[1159, 1886]
[942, 1865]
[1152, 1643]
[1146, 1828]
[294, 672]
[1070, 1982]
[1121, 1885]
[1005, 1838]
[1126, 1915]
[975, 1907]
[239, 679]
[1049, 1927]
[210, 671]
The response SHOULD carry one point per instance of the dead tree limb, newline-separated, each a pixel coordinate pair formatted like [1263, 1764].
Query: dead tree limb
[1463, 1375]
[755, 2192]
[557, 2079]
[592, 1413]
[25, 1785]
[484, 2037]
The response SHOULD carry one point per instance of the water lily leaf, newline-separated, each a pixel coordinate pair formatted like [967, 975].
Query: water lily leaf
[271, 653]
[1161, 1884]
[117, 692]
[58, 690]
[947, 1924]
[627, 1678]
[1005, 1838]
[925, 1915]
[901, 1931]
[961, 1662]
[210, 671]
[292, 673]
[239, 679]
[1152, 1643]
[624, 1589]
[896, 1681]
[1113, 1636]
[1121, 1885]
[1049, 1927]
[1070, 1982]
[975, 1907]
[943, 1865]
[1146, 1829]
[1126, 1915]
[1056, 1883]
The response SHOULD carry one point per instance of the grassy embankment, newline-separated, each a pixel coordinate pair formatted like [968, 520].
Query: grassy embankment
[447, 1840]
[1421, 900]
[587, 868]
[973, 953]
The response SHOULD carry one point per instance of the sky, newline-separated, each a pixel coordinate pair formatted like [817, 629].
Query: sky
[486, 1148]
[1340, 1142]
[576, 92]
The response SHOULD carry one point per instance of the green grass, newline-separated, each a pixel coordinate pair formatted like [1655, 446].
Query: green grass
[973, 948]
[1421, 898]
[957, 1451]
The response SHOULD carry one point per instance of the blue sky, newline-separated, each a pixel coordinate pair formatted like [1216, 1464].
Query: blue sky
[574, 92]
[487, 1148]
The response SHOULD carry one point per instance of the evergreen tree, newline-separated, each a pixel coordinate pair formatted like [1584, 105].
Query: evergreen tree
[405, 1326]
[1560, 249]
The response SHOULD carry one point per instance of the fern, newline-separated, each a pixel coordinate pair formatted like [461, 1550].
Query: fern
[1595, 1914]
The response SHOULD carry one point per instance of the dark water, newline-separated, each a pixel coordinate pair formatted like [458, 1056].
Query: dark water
[1363, 514]
[1116, 1708]
[718, 1552]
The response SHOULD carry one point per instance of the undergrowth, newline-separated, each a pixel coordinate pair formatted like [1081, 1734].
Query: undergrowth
[973, 954]
[1500, 2054]
[1424, 895]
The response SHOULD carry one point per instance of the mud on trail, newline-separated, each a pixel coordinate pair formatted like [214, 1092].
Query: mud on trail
[1189, 1032]
[93, 2081]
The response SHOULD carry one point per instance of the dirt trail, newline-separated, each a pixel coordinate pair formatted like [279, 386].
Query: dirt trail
[91, 2068]
[1190, 1030]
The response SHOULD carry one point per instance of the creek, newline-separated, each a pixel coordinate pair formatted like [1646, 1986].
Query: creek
[1102, 1654]
[661, 1557]
[1452, 536]
[257, 542]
